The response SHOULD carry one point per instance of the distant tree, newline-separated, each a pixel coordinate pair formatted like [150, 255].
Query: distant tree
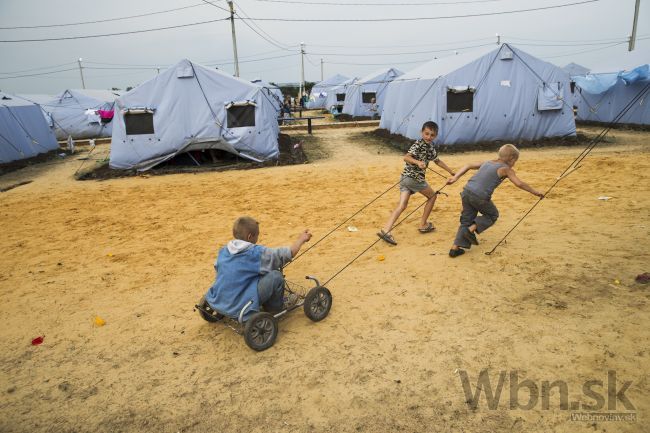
[129, 88]
[115, 88]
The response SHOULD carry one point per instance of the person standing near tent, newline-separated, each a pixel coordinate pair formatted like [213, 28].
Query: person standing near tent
[413, 180]
[477, 196]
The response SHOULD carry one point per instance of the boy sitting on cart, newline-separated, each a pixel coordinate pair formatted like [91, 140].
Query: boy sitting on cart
[250, 272]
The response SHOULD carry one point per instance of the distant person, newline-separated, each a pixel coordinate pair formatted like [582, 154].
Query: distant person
[286, 110]
[413, 180]
[374, 109]
[477, 196]
[247, 271]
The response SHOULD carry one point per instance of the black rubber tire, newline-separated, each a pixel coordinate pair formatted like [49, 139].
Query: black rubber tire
[261, 331]
[318, 303]
[213, 316]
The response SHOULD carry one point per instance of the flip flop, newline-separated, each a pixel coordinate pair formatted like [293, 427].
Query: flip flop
[386, 237]
[456, 253]
[429, 228]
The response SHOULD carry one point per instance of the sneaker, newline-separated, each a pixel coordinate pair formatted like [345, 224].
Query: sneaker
[456, 253]
[470, 237]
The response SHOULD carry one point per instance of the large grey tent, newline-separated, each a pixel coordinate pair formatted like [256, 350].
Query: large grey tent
[319, 93]
[336, 95]
[359, 96]
[81, 113]
[23, 130]
[503, 94]
[192, 107]
[602, 97]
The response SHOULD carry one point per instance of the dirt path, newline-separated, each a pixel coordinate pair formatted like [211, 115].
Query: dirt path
[557, 302]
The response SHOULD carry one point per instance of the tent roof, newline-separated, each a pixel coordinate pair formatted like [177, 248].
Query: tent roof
[576, 69]
[334, 80]
[444, 65]
[378, 75]
[263, 83]
[98, 94]
[14, 100]
[36, 98]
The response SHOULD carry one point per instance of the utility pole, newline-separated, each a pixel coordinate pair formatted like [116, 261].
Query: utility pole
[636, 18]
[81, 72]
[498, 39]
[234, 38]
[302, 69]
[321, 69]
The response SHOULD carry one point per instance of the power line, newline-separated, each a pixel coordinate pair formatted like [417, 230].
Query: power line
[403, 53]
[114, 34]
[101, 21]
[378, 4]
[42, 73]
[402, 46]
[262, 30]
[38, 69]
[420, 18]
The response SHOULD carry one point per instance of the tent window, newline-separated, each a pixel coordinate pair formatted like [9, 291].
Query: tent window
[138, 123]
[240, 116]
[340, 97]
[460, 102]
[367, 97]
[573, 86]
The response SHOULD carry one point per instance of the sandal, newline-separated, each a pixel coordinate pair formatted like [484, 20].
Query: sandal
[386, 237]
[429, 228]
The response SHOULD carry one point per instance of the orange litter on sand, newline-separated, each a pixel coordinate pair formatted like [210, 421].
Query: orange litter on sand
[38, 340]
[381, 257]
[99, 321]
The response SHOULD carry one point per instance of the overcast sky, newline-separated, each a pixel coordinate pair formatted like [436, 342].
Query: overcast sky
[581, 33]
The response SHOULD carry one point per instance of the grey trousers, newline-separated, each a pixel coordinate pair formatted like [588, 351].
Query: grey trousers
[472, 205]
[270, 289]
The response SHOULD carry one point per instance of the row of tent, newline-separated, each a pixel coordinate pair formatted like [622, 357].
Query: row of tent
[493, 94]
[490, 94]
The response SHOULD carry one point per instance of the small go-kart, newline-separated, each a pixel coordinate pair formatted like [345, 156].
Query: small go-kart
[261, 328]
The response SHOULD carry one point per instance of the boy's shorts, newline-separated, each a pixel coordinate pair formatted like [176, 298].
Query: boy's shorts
[408, 184]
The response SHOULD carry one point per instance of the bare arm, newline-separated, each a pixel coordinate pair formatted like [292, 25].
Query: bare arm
[464, 169]
[303, 237]
[409, 158]
[440, 163]
[510, 173]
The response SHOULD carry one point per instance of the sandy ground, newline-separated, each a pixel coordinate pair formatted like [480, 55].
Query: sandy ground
[557, 302]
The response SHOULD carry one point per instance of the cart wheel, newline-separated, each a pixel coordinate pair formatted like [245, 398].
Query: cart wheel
[260, 331]
[207, 312]
[318, 303]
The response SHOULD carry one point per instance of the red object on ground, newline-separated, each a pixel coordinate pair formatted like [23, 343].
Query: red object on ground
[643, 278]
[38, 340]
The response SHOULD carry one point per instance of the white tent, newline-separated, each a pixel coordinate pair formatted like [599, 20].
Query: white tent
[319, 93]
[76, 113]
[359, 95]
[23, 130]
[503, 94]
[192, 107]
[336, 95]
[602, 97]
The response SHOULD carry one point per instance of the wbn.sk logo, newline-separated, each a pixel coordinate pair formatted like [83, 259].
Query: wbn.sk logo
[602, 396]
